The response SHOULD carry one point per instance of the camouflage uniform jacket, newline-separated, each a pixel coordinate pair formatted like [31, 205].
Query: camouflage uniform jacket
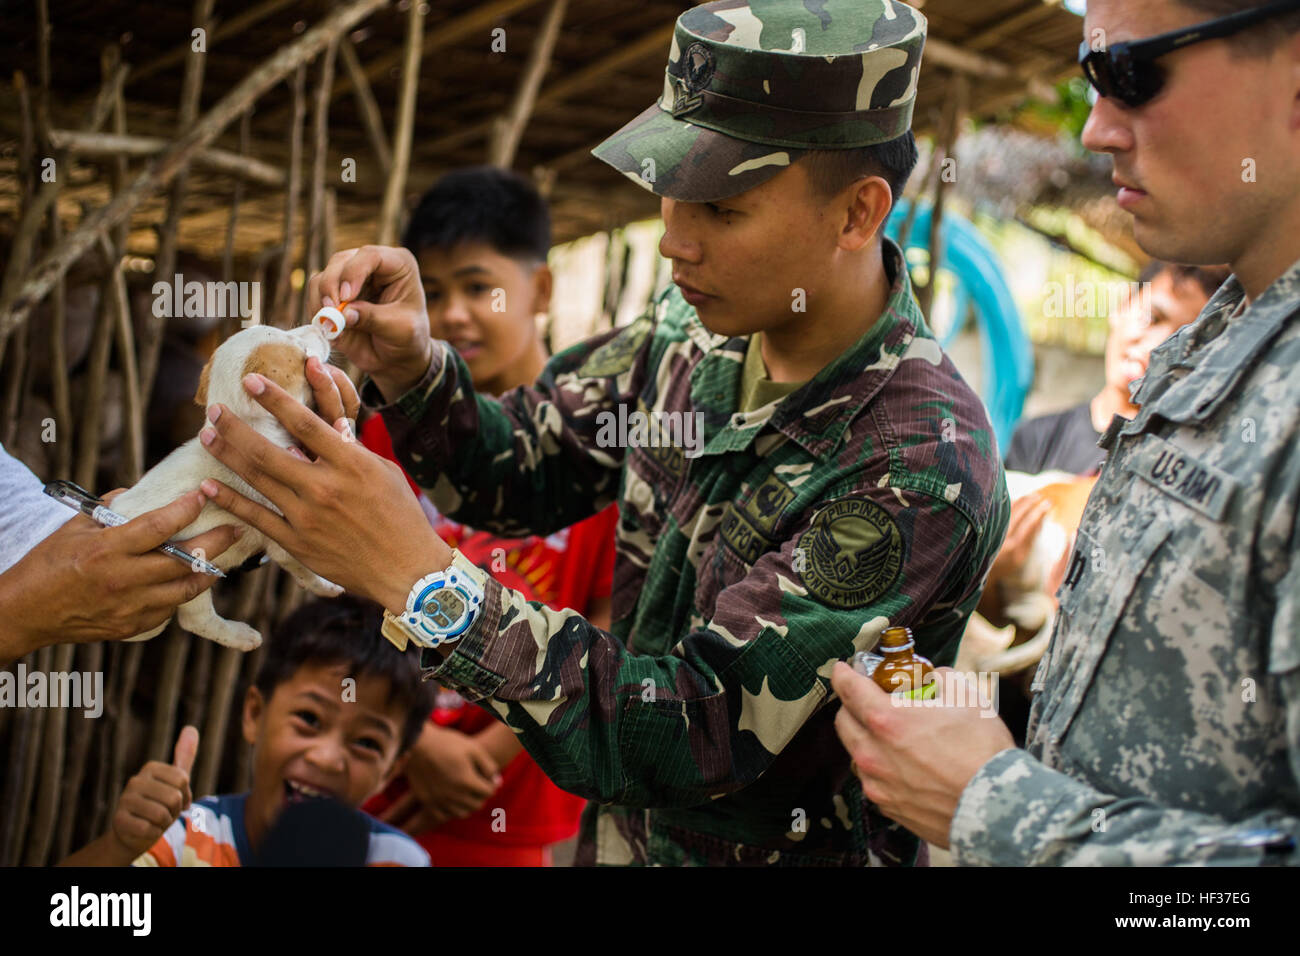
[872, 495]
[1166, 722]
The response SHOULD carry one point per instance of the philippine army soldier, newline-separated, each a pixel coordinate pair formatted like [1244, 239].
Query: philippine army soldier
[797, 463]
[1166, 723]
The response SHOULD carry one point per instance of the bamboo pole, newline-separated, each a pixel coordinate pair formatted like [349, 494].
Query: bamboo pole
[169, 236]
[59, 361]
[554, 96]
[87, 435]
[133, 409]
[228, 255]
[320, 149]
[122, 231]
[368, 106]
[218, 160]
[51, 764]
[390, 212]
[252, 591]
[282, 305]
[118, 738]
[43, 32]
[330, 227]
[160, 172]
[24, 751]
[34, 214]
[46, 814]
[80, 730]
[927, 181]
[220, 31]
[15, 382]
[475, 23]
[960, 93]
[194, 702]
[505, 139]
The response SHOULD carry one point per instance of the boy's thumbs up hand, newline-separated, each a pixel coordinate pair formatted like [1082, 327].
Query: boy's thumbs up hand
[155, 797]
[187, 746]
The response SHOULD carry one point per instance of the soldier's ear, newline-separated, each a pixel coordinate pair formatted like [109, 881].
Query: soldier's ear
[865, 209]
[201, 396]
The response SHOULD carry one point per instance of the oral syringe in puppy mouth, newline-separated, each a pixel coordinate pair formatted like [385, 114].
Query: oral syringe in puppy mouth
[92, 506]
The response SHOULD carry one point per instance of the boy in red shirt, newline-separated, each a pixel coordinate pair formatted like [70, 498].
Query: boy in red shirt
[471, 796]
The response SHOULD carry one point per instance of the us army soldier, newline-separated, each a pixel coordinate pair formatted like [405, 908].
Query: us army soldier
[846, 477]
[1166, 723]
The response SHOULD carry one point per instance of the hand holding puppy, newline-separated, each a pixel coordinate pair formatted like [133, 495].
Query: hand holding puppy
[328, 517]
[121, 585]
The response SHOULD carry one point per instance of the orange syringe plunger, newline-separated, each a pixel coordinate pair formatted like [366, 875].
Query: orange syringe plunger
[331, 320]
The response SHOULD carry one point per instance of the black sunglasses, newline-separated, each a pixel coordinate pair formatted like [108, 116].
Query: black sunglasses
[1128, 72]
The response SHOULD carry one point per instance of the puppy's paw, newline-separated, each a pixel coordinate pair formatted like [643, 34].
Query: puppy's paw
[238, 635]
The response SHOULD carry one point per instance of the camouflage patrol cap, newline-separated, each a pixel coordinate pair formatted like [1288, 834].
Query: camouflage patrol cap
[753, 85]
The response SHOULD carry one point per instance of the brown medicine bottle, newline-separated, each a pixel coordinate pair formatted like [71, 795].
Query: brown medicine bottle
[902, 670]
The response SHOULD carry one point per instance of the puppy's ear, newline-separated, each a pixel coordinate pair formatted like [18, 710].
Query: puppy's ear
[201, 396]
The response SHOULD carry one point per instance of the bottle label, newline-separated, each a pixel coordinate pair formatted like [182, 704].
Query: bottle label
[920, 693]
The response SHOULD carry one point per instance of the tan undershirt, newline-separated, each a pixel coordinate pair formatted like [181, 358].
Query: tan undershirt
[756, 389]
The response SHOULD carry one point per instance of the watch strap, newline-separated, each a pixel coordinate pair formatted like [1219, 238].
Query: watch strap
[395, 630]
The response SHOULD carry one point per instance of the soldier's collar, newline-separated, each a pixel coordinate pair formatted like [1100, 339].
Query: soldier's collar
[1219, 364]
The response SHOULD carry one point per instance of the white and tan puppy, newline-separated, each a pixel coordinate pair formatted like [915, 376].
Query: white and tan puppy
[281, 356]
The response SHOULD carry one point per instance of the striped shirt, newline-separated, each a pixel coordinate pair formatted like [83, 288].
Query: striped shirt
[210, 832]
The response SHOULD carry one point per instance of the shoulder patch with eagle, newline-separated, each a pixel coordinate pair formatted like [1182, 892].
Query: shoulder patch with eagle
[853, 553]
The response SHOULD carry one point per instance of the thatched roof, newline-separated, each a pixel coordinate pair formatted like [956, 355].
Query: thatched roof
[607, 66]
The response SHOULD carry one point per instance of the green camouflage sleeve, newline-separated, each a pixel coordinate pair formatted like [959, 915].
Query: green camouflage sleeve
[708, 718]
[1017, 812]
[531, 462]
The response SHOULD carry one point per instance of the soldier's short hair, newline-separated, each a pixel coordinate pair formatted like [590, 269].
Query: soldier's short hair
[830, 170]
[1260, 39]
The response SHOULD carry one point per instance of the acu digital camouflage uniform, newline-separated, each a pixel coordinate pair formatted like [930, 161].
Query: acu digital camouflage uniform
[1166, 726]
[872, 495]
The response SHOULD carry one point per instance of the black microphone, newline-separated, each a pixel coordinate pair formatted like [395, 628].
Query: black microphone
[317, 832]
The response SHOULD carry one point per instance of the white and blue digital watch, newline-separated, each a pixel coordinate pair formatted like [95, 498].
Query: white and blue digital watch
[440, 608]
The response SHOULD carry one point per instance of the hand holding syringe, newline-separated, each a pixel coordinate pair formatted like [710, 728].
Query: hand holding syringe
[79, 499]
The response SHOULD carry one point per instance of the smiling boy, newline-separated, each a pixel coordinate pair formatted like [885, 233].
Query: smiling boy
[332, 712]
[848, 478]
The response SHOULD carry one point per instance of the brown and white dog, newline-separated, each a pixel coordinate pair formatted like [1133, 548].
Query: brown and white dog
[1026, 597]
[281, 356]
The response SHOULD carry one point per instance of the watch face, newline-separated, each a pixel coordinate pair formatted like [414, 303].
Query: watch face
[444, 608]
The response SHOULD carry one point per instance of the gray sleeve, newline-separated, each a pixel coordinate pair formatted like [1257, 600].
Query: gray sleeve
[1016, 812]
[27, 514]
